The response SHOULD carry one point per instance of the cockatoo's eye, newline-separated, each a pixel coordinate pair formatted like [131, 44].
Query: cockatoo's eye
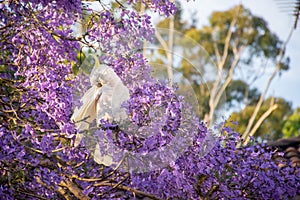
[99, 84]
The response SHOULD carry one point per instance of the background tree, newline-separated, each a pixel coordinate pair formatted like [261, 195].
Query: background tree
[271, 128]
[238, 43]
[291, 126]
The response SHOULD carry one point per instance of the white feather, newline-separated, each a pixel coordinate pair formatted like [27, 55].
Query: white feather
[102, 101]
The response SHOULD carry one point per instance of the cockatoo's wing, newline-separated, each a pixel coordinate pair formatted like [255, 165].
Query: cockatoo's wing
[85, 115]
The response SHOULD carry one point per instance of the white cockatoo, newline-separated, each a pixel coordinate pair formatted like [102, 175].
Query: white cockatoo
[102, 101]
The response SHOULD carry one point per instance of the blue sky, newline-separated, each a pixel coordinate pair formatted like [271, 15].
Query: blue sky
[288, 84]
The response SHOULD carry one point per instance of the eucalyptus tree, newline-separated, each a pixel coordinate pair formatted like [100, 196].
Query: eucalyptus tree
[237, 48]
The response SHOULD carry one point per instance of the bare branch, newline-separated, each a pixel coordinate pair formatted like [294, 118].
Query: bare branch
[161, 40]
[262, 96]
[218, 56]
[135, 191]
[74, 189]
[168, 47]
[260, 121]
[64, 193]
[169, 53]
[226, 83]
[214, 91]
[31, 194]
[228, 37]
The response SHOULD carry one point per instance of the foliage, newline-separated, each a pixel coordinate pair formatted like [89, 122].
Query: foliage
[238, 92]
[38, 159]
[291, 126]
[272, 126]
[250, 31]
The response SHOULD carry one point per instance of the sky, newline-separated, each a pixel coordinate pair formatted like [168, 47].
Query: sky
[280, 22]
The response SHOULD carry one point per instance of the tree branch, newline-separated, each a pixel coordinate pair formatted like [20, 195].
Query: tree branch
[73, 188]
[168, 47]
[161, 40]
[246, 134]
[226, 83]
[228, 37]
[214, 91]
[128, 189]
[260, 121]
[169, 53]
[61, 191]
[218, 56]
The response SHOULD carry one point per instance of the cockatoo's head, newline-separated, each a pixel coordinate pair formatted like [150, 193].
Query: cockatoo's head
[102, 74]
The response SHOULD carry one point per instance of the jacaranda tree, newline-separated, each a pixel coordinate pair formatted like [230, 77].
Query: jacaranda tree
[161, 152]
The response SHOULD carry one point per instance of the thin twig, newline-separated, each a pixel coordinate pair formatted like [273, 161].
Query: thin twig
[130, 190]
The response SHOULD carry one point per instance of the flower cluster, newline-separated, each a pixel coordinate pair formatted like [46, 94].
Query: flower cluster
[163, 7]
[224, 173]
[133, 70]
[36, 102]
[155, 117]
[42, 57]
[118, 34]
[148, 99]
[120, 37]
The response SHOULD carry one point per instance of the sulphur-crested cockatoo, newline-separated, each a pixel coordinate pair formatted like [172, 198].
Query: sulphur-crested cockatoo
[102, 101]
